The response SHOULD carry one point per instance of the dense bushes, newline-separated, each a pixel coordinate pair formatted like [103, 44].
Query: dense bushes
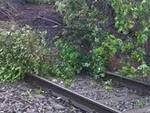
[81, 31]
[95, 32]
[22, 50]
[97, 39]
[133, 18]
[69, 62]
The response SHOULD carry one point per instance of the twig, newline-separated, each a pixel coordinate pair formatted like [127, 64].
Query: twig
[50, 20]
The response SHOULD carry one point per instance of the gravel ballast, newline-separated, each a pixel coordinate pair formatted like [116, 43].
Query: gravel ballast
[118, 96]
[22, 98]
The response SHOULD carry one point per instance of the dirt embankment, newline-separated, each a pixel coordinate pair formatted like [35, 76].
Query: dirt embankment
[41, 17]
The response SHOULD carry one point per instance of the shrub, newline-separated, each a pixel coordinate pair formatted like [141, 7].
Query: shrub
[69, 60]
[81, 31]
[128, 71]
[101, 54]
[22, 50]
[102, 29]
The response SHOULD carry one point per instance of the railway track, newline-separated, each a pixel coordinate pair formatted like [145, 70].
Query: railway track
[77, 100]
[84, 103]
[140, 87]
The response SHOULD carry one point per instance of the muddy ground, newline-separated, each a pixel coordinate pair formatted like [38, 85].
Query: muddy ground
[40, 17]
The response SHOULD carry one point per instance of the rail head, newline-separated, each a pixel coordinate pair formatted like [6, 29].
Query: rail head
[76, 99]
[141, 87]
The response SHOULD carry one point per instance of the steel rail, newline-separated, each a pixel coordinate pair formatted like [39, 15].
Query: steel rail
[76, 99]
[140, 87]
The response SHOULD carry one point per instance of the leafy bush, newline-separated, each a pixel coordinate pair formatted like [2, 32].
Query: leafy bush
[78, 33]
[134, 16]
[127, 71]
[100, 35]
[22, 50]
[95, 45]
[68, 63]
[102, 53]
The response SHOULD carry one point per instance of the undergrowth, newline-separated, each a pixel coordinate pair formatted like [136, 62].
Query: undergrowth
[88, 43]
[22, 50]
[94, 33]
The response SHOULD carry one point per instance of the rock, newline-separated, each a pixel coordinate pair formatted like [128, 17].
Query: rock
[59, 107]
[31, 111]
[58, 98]
[48, 107]
[39, 96]
[54, 80]
[24, 88]
[2, 112]
[49, 112]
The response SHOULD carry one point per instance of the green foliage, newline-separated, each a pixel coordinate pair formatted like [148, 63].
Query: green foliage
[125, 19]
[138, 55]
[79, 34]
[67, 82]
[38, 91]
[127, 47]
[140, 102]
[128, 12]
[133, 16]
[128, 71]
[108, 84]
[95, 84]
[144, 69]
[92, 46]
[69, 61]
[103, 52]
[28, 92]
[21, 50]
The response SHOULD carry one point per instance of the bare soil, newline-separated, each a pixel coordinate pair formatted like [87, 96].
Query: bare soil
[40, 17]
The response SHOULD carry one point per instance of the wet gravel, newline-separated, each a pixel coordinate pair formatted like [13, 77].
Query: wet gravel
[117, 97]
[22, 98]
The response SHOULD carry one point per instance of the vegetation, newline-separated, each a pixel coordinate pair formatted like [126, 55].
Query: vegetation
[97, 36]
[22, 50]
[81, 33]
[95, 32]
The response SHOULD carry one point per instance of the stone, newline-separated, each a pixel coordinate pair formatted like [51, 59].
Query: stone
[59, 107]
[39, 96]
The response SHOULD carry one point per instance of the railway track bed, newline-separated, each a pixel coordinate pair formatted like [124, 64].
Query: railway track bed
[118, 99]
[84, 95]
[21, 97]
